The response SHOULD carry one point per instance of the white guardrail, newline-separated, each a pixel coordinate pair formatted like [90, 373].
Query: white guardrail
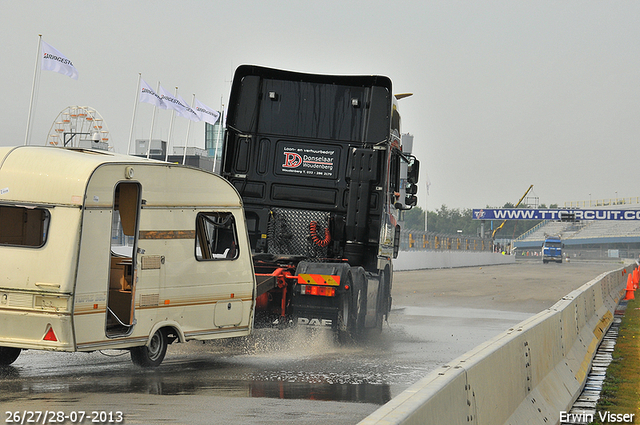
[526, 375]
[414, 260]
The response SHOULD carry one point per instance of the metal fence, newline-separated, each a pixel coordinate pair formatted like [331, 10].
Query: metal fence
[415, 240]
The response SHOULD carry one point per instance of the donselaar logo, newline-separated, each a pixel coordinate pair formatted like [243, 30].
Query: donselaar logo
[292, 160]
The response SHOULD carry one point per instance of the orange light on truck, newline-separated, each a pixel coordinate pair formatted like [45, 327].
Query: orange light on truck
[319, 279]
[322, 291]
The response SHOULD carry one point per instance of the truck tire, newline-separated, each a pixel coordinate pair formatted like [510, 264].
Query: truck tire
[8, 355]
[351, 316]
[359, 301]
[382, 305]
[361, 307]
[345, 322]
[357, 311]
[151, 355]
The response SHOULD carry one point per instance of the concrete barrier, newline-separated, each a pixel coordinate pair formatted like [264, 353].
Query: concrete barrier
[526, 375]
[413, 260]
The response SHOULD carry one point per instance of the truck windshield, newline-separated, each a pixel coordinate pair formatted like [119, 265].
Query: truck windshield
[553, 244]
[22, 226]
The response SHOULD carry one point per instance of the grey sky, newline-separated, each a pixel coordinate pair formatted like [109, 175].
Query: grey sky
[506, 93]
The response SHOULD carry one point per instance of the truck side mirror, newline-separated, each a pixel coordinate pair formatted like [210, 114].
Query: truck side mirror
[413, 171]
[411, 200]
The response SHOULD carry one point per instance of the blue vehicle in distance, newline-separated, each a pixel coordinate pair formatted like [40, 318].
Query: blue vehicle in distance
[552, 249]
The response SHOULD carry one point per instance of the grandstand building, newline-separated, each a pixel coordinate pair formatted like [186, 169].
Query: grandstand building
[585, 239]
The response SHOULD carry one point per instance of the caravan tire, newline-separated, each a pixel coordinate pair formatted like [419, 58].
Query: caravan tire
[8, 355]
[151, 355]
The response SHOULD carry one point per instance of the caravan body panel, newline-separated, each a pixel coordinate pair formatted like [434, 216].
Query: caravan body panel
[129, 246]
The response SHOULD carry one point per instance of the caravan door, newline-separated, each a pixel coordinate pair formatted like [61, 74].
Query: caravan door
[122, 273]
[105, 280]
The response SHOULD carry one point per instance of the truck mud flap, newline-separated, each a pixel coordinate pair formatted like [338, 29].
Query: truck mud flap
[312, 315]
[319, 310]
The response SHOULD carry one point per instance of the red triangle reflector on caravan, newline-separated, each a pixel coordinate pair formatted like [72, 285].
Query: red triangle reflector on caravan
[50, 335]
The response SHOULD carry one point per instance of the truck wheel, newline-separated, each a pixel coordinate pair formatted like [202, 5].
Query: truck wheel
[358, 311]
[351, 315]
[361, 308]
[382, 303]
[360, 300]
[8, 355]
[381, 308]
[153, 354]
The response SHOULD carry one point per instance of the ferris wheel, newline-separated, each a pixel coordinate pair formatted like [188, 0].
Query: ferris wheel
[79, 126]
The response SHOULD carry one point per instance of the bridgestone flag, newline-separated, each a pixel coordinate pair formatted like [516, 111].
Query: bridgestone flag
[206, 114]
[148, 95]
[189, 113]
[53, 60]
[171, 102]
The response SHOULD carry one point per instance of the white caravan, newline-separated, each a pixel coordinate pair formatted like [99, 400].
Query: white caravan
[104, 251]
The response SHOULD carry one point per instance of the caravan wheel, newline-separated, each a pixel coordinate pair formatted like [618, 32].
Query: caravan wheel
[8, 355]
[151, 355]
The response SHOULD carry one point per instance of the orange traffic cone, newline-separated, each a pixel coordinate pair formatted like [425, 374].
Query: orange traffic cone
[636, 278]
[630, 288]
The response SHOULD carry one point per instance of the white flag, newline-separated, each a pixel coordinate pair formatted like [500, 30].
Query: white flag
[53, 60]
[206, 114]
[149, 96]
[189, 112]
[171, 102]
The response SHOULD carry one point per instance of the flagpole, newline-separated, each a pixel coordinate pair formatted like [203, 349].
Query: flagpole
[215, 152]
[33, 89]
[173, 115]
[153, 119]
[186, 142]
[135, 110]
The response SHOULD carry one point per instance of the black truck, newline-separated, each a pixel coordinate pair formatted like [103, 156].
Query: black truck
[318, 161]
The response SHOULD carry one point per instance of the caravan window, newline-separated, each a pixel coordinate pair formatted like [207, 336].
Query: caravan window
[216, 236]
[21, 226]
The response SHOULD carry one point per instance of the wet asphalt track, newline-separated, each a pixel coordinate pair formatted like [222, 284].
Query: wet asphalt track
[298, 375]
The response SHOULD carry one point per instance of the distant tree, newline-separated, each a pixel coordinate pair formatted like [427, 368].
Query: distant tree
[450, 221]
[414, 219]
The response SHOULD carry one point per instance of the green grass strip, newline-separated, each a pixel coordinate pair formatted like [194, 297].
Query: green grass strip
[621, 388]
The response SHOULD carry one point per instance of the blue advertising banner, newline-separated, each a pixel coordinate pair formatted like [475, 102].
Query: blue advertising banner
[553, 214]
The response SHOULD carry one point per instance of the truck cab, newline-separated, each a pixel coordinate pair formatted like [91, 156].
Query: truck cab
[319, 163]
[552, 249]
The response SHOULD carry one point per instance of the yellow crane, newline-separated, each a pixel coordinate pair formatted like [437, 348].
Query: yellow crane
[519, 202]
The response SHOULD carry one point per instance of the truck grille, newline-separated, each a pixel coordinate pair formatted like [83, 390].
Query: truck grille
[289, 232]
